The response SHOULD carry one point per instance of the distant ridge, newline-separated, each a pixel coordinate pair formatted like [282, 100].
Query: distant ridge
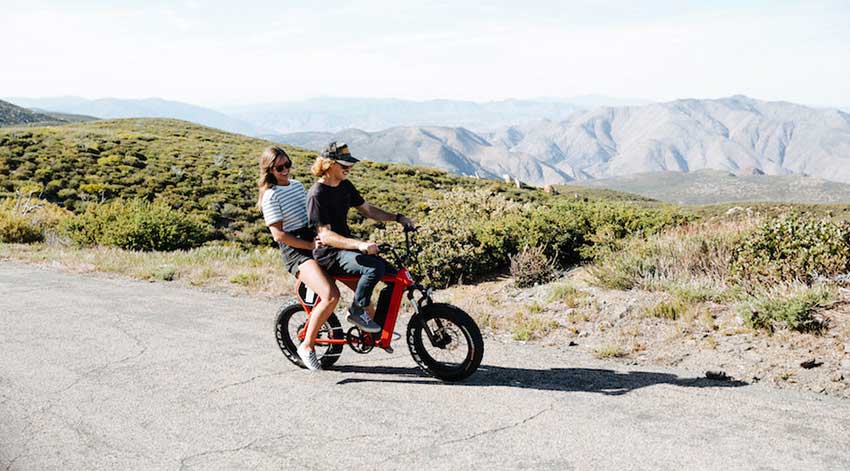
[12, 115]
[455, 150]
[373, 114]
[67, 117]
[717, 186]
[109, 108]
[734, 134]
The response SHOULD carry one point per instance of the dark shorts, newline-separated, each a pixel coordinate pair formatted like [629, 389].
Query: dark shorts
[292, 257]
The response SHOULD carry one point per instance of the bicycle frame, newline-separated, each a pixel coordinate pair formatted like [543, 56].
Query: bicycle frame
[402, 280]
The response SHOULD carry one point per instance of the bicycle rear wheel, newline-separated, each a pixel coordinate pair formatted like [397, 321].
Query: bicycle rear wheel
[455, 351]
[290, 319]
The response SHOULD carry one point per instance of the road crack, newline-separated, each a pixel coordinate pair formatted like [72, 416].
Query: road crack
[476, 434]
[499, 429]
[261, 445]
[247, 381]
[98, 369]
[184, 461]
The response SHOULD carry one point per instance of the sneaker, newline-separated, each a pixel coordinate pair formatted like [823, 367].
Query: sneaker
[308, 357]
[363, 321]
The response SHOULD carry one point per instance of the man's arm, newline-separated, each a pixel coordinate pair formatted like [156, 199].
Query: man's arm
[331, 238]
[279, 235]
[379, 214]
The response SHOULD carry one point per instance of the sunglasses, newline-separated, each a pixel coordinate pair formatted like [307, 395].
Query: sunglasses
[280, 168]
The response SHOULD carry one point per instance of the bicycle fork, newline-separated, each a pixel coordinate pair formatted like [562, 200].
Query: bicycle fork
[437, 337]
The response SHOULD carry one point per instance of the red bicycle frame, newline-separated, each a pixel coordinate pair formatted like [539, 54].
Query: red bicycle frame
[402, 281]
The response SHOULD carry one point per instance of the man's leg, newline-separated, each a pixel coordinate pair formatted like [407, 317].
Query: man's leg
[370, 268]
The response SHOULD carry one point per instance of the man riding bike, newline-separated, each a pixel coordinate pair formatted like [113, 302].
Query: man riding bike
[328, 202]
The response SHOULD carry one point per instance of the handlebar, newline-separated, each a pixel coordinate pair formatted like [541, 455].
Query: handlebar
[407, 256]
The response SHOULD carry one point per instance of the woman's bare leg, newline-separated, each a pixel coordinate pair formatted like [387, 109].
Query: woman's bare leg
[318, 280]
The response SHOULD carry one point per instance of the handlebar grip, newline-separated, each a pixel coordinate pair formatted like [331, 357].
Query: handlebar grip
[410, 228]
[384, 248]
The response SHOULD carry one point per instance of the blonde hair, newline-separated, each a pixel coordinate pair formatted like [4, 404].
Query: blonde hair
[267, 179]
[321, 166]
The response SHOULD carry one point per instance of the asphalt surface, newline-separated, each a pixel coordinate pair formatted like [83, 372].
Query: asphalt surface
[103, 373]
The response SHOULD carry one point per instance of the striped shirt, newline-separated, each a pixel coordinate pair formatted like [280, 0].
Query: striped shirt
[287, 204]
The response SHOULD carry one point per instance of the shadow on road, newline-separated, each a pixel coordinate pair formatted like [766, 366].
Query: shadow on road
[608, 382]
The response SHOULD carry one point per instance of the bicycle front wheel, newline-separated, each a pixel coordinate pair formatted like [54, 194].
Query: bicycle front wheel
[455, 348]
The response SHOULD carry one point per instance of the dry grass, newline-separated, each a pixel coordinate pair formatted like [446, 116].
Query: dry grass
[694, 259]
[257, 271]
[609, 351]
[566, 293]
[530, 327]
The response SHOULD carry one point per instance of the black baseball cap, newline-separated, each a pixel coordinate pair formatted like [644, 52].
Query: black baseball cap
[339, 151]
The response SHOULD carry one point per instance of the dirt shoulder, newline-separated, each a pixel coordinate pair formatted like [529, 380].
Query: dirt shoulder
[625, 326]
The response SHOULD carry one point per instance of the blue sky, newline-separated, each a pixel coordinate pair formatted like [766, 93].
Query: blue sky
[215, 53]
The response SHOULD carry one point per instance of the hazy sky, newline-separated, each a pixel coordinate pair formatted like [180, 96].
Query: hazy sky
[228, 52]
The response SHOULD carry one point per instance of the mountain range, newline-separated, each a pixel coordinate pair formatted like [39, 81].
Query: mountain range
[371, 114]
[737, 134]
[717, 186]
[332, 114]
[108, 108]
[456, 150]
[543, 141]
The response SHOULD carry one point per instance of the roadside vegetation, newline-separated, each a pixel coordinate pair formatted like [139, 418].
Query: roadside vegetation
[168, 200]
[777, 271]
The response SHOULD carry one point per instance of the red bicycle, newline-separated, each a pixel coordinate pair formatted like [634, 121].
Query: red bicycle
[443, 339]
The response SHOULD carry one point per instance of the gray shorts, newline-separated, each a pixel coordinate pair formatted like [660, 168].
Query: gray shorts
[292, 257]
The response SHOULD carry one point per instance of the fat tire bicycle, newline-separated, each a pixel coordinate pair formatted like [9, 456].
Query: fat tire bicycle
[445, 341]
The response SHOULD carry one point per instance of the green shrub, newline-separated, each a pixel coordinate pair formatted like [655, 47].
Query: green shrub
[27, 220]
[136, 225]
[451, 232]
[572, 231]
[793, 247]
[792, 307]
[531, 266]
[466, 235]
[18, 229]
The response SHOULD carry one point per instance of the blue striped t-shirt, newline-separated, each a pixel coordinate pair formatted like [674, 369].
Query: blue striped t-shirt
[286, 203]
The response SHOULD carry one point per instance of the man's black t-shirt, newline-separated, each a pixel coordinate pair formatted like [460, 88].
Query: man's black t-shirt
[329, 205]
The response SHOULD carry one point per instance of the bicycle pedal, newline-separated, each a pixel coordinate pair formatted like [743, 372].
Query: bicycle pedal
[389, 350]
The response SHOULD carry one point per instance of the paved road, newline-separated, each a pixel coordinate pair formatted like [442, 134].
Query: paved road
[100, 373]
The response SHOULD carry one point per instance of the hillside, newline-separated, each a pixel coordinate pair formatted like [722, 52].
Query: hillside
[12, 115]
[111, 108]
[66, 117]
[734, 134]
[717, 186]
[206, 171]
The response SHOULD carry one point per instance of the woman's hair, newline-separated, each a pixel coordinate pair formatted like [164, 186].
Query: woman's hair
[267, 179]
[321, 165]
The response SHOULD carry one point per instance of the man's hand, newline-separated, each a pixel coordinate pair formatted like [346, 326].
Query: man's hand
[317, 243]
[407, 222]
[368, 248]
